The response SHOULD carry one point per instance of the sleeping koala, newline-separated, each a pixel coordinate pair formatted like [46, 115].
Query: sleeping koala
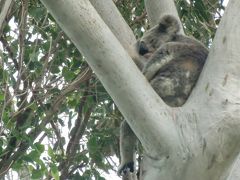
[172, 63]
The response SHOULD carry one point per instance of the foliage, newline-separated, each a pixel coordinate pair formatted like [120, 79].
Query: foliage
[57, 121]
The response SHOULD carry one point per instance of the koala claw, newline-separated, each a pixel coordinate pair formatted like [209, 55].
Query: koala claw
[124, 169]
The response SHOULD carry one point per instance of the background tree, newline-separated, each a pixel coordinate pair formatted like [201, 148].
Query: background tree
[57, 120]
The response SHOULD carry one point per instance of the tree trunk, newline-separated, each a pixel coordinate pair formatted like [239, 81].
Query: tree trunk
[197, 141]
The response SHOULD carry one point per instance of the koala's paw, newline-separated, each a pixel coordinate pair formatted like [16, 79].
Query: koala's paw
[125, 168]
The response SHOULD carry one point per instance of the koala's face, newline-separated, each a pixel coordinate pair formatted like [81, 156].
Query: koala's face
[154, 38]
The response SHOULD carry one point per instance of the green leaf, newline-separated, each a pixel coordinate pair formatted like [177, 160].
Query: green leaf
[39, 147]
[54, 171]
[37, 174]
[32, 156]
[68, 75]
[54, 69]
[17, 165]
[77, 176]
[51, 153]
[1, 96]
[34, 56]
[93, 147]
[37, 13]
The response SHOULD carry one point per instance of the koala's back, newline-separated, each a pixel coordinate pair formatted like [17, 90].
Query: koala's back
[175, 80]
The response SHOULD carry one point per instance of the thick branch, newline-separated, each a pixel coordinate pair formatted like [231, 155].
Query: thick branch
[220, 77]
[4, 12]
[215, 101]
[233, 172]
[120, 76]
[155, 9]
[114, 20]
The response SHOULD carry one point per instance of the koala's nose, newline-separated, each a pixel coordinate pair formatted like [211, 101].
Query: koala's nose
[143, 48]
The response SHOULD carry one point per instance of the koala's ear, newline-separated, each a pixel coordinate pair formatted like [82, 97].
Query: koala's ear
[168, 24]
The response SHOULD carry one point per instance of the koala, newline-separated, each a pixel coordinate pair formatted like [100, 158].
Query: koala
[172, 63]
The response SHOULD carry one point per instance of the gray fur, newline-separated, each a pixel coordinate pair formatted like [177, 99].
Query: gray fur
[172, 64]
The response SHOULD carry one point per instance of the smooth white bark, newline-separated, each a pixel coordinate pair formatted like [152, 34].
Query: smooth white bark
[114, 20]
[209, 122]
[157, 8]
[233, 173]
[4, 11]
[219, 95]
